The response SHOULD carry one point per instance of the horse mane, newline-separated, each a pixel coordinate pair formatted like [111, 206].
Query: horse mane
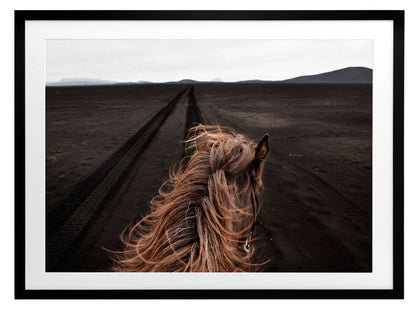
[204, 211]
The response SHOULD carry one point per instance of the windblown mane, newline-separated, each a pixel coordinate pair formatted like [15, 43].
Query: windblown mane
[203, 214]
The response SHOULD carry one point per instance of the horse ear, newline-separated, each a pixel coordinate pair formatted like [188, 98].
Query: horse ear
[262, 148]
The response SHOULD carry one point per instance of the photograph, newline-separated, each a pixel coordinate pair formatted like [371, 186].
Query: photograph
[209, 154]
[121, 114]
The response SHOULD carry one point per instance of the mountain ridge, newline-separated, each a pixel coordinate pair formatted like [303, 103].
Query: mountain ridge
[358, 75]
[347, 75]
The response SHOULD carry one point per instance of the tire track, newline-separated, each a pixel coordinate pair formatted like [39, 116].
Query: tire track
[69, 222]
[193, 113]
[193, 118]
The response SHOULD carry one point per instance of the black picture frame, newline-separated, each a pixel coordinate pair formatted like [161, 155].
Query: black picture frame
[397, 292]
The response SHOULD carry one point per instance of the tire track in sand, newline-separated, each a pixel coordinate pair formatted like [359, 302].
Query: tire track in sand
[131, 202]
[72, 223]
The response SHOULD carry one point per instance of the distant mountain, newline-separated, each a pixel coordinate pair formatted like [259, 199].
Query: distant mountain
[349, 75]
[81, 82]
[217, 80]
[187, 81]
[257, 81]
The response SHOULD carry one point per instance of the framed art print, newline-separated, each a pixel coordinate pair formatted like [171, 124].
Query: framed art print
[209, 154]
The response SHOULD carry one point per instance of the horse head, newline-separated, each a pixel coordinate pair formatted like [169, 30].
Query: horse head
[204, 216]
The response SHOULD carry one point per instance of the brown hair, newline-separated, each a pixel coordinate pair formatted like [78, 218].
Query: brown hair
[204, 211]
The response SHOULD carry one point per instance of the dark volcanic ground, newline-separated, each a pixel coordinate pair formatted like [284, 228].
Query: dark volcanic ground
[85, 125]
[316, 214]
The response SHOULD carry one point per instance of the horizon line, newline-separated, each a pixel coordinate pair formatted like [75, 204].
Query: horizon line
[215, 80]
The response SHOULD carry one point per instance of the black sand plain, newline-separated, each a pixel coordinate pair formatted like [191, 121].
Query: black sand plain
[316, 213]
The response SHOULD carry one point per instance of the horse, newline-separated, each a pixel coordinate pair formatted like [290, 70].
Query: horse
[203, 218]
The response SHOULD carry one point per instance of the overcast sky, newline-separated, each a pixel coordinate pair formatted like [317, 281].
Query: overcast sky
[203, 60]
